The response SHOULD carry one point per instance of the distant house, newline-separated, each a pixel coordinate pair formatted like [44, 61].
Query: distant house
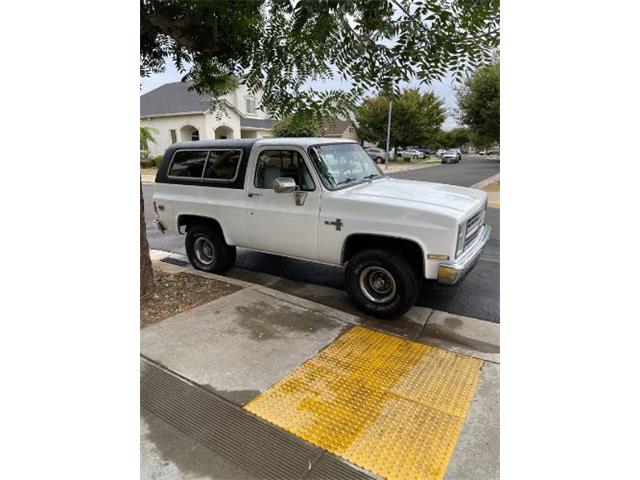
[180, 115]
[339, 128]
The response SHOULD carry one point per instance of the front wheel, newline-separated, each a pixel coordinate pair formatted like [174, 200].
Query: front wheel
[207, 249]
[381, 283]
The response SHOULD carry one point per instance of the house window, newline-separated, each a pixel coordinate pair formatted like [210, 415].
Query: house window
[174, 137]
[251, 105]
[195, 136]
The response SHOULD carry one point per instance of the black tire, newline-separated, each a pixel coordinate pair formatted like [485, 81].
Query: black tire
[211, 244]
[379, 160]
[404, 276]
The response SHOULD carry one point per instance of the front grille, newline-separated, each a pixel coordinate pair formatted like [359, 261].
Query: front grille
[474, 225]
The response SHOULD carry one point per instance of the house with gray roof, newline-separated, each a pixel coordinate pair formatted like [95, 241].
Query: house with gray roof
[181, 115]
[339, 128]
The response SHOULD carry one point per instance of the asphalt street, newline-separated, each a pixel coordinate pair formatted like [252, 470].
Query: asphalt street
[471, 170]
[478, 295]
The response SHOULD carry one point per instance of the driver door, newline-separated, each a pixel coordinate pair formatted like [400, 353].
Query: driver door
[275, 222]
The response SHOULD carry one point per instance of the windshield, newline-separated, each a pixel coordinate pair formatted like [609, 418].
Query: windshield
[342, 164]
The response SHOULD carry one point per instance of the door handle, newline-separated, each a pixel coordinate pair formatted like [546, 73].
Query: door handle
[254, 194]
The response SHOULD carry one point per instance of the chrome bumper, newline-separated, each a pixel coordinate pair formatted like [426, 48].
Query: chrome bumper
[452, 271]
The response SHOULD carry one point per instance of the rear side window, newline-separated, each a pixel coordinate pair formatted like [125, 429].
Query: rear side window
[222, 164]
[188, 163]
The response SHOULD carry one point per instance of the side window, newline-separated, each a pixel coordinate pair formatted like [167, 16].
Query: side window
[174, 137]
[222, 164]
[274, 164]
[188, 163]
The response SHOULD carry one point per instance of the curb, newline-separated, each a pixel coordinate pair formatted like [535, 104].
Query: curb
[408, 169]
[483, 183]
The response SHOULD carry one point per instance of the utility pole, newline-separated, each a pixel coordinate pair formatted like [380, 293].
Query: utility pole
[386, 158]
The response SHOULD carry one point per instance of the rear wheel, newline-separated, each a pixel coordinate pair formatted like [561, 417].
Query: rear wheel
[381, 283]
[379, 160]
[207, 249]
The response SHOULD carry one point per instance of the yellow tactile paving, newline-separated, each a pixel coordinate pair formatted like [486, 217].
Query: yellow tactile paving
[391, 406]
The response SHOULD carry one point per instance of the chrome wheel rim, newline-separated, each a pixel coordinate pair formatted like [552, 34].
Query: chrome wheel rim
[377, 284]
[203, 248]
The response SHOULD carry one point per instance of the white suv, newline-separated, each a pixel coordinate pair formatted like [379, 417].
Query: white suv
[322, 200]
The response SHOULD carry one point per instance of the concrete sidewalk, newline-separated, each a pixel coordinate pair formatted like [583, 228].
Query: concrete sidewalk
[238, 346]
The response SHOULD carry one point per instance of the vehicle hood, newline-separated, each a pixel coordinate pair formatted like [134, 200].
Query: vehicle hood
[452, 200]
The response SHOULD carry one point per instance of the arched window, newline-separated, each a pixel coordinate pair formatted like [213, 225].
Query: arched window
[189, 133]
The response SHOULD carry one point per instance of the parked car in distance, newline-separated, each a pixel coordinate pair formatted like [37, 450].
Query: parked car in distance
[378, 155]
[493, 151]
[440, 152]
[453, 155]
[410, 154]
[323, 200]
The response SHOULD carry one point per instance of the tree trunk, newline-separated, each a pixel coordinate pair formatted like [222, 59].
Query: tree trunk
[146, 271]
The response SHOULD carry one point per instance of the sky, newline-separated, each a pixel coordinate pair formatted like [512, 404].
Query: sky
[443, 89]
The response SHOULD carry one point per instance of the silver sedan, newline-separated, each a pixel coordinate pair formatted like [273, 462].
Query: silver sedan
[452, 155]
[378, 155]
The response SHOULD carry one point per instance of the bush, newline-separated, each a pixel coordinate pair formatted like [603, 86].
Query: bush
[158, 160]
[147, 163]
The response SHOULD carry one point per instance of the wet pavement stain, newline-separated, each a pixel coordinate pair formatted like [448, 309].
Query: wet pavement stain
[453, 322]
[442, 333]
[264, 321]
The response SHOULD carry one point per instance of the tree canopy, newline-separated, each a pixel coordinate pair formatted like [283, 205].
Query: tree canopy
[301, 124]
[479, 104]
[415, 118]
[454, 138]
[280, 46]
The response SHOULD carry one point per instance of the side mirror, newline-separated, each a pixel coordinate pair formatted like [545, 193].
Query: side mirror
[284, 185]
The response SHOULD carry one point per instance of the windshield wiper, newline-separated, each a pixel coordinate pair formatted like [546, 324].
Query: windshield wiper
[373, 175]
[347, 180]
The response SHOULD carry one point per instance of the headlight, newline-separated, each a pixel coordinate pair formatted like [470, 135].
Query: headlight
[462, 230]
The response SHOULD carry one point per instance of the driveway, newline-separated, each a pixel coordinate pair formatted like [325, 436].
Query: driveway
[477, 296]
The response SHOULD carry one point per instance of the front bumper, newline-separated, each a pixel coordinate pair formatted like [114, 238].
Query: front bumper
[451, 272]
